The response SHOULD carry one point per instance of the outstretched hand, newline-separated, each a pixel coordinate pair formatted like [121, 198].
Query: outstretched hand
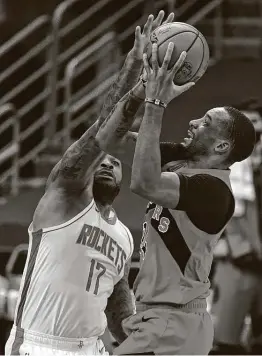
[160, 80]
[159, 19]
[142, 38]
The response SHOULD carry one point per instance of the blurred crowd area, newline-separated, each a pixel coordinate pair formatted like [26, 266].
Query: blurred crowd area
[235, 302]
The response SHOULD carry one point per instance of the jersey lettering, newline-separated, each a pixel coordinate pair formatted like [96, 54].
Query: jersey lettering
[170, 234]
[105, 239]
[164, 224]
[157, 212]
[123, 260]
[163, 221]
[150, 206]
[111, 249]
[93, 237]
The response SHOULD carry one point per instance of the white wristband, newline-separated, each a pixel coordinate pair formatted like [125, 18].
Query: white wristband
[156, 102]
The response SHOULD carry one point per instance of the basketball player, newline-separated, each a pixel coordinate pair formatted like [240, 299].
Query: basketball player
[79, 252]
[190, 204]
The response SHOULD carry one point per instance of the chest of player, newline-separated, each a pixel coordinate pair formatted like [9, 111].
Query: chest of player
[106, 239]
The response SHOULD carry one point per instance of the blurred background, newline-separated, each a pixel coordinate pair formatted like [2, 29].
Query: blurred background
[58, 59]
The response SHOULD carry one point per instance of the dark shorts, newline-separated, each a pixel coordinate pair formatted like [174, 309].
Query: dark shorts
[167, 331]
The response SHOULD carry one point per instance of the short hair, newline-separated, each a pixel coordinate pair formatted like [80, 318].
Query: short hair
[242, 134]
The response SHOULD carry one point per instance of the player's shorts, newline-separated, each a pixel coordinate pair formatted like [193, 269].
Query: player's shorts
[164, 330]
[22, 342]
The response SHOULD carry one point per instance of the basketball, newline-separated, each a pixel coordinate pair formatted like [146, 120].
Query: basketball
[185, 38]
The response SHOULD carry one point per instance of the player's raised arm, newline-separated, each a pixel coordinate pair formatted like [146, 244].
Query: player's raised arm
[119, 306]
[114, 136]
[85, 154]
[147, 179]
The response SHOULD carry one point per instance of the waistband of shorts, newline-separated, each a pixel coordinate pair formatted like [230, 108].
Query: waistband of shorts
[55, 342]
[198, 305]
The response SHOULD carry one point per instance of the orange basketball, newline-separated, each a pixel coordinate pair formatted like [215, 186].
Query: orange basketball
[185, 38]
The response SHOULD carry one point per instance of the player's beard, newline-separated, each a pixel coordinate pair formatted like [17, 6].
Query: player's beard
[196, 150]
[105, 191]
[182, 155]
[188, 153]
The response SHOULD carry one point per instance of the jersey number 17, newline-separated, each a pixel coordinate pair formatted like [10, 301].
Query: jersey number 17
[95, 273]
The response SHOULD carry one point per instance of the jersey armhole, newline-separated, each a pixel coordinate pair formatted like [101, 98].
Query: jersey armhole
[131, 241]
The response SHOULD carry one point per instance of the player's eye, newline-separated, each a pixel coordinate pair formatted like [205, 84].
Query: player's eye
[116, 163]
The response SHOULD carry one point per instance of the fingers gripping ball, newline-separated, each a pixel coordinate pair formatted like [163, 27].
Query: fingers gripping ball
[185, 38]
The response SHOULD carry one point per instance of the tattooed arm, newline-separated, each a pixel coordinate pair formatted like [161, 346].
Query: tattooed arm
[119, 306]
[125, 81]
[133, 65]
[83, 156]
[114, 136]
[123, 84]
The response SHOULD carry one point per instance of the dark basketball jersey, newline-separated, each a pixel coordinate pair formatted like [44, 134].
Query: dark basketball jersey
[176, 256]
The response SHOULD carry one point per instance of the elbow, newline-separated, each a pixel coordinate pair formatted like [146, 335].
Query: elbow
[107, 144]
[135, 187]
[140, 187]
[101, 141]
[136, 184]
[104, 144]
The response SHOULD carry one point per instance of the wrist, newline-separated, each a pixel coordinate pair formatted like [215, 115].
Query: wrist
[152, 108]
[135, 57]
[132, 105]
[139, 90]
[156, 102]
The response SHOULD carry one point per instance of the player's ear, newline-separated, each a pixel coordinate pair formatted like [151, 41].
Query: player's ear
[222, 146]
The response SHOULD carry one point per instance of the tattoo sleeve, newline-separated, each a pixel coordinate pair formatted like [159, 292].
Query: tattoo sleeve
[127, 78]
[119, 306]
[112, 135]
[83, 157]
[121, 119]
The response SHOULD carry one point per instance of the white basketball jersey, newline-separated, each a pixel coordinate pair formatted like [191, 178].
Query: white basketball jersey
[70, 272]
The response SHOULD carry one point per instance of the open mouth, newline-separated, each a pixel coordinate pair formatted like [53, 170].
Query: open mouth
[106, 173]
[189, 138]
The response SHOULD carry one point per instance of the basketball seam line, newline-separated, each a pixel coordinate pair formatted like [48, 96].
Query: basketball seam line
[192, 44]
[197, 34]
[201, 60]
